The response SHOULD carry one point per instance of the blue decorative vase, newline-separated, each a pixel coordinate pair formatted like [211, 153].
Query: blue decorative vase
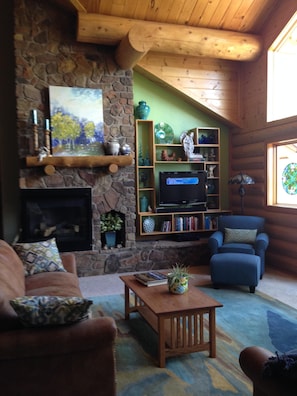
[142, 110]
[148, 224]
[110, 238]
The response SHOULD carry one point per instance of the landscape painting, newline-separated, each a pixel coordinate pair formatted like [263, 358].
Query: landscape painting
[77, 127]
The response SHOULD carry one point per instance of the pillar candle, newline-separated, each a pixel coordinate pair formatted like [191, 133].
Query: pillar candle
[47, 124]
[34, 117]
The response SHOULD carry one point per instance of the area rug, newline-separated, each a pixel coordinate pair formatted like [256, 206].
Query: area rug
[245, 319]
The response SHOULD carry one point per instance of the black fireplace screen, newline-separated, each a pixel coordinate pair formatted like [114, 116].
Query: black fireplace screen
[64, 214]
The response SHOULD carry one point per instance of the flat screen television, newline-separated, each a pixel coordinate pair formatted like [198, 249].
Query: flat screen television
[183, 188]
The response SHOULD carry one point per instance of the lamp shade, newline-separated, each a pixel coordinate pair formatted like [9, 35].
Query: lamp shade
[241, 178]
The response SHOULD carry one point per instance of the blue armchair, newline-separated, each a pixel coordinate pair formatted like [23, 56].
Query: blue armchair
[240, 234]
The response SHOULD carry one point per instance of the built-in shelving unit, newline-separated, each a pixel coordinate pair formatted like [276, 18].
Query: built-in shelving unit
[152, 158]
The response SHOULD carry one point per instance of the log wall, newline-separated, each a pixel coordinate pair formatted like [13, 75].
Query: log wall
[248, 150]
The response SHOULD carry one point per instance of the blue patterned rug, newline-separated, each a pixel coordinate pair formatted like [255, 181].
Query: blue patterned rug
[246, 319]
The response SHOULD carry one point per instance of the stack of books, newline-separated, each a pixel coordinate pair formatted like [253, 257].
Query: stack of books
[151, 278]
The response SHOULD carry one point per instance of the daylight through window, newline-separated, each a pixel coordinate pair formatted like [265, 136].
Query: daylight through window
[282, 174]
[281, 74]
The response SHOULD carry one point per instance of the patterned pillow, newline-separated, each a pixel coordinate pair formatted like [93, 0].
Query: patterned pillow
[234, 235]
[40, 311]
[39, 256]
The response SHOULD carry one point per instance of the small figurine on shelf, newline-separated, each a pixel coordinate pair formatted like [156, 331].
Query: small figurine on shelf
[167, 157]
[187, 140]
[42, 153]
[212, 156]
[210, 170]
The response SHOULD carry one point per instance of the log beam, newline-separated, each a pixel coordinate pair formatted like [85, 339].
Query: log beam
[133, 47]
[80, 161]
[163, 37]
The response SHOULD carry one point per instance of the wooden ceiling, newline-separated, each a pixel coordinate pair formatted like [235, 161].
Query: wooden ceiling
[236, 15]
[192, 46]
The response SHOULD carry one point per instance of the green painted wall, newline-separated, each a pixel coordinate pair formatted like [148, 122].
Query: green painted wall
[180, 115]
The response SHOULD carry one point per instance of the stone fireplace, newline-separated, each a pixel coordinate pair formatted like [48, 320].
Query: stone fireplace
[47, 53]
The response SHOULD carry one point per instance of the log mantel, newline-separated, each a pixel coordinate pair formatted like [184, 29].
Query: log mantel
[49, 163]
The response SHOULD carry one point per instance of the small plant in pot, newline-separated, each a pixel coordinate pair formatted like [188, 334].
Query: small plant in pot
[178, 279]
[110, 223]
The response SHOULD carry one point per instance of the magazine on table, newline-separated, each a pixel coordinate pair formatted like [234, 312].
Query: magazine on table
[151, 278]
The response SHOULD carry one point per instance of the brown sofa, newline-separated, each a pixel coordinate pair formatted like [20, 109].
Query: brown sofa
[66, 360]
[252, 360]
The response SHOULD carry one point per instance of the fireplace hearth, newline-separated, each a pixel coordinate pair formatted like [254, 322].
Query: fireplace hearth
[61, 213]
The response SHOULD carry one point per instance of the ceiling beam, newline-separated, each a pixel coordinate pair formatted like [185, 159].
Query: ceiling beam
[77, 4]
[137, 37]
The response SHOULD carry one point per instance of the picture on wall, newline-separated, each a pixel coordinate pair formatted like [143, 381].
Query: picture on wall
[77, 127]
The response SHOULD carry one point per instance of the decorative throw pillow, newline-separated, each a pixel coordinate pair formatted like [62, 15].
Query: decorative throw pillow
[281, 366]
[37, 311]
[40, 256]
[235, 235]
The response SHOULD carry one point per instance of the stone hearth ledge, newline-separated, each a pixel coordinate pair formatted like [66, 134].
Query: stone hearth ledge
[145, 256]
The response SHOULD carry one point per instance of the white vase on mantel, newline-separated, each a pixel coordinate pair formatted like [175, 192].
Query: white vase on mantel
[112, 147]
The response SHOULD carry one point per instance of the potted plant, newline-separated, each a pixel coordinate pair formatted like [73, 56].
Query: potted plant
[178, 279]
[110, 223]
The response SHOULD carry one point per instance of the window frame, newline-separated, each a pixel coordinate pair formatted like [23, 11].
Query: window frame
[271, 174]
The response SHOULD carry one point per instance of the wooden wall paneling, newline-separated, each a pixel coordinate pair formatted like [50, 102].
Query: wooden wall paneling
[213, 84]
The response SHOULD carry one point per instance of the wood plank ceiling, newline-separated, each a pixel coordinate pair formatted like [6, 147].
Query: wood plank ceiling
[192, 46]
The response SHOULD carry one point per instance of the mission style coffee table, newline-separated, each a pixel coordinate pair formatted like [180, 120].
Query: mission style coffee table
[184, 323]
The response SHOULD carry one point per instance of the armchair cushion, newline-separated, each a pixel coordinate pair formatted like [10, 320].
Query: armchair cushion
[50, 310]
[236, 235]
[237, 248]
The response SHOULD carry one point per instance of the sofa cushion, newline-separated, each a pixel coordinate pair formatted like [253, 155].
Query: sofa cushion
[40, 256]
[235, 235]
[50, 310]
[61, 284]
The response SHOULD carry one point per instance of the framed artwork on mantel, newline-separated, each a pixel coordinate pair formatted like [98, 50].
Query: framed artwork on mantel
[77, 127]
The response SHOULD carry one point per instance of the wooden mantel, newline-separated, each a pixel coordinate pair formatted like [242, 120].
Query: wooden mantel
[51, 162]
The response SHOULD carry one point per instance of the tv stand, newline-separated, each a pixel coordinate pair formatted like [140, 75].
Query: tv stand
[180, 209]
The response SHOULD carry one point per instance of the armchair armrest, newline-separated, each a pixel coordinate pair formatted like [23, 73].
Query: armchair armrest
[252, 360]
[262, 242]
[49, 341]
[69, 262]
[215, 241]
[70, 360]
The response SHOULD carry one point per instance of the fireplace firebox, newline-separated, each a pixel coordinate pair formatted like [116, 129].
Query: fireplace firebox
[61, 213]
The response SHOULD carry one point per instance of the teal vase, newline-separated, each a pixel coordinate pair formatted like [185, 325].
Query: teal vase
[143, 204]
[142, 110]
[110, 238]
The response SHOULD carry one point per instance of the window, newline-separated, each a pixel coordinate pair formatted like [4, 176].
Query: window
[281, 74]
[282, 174]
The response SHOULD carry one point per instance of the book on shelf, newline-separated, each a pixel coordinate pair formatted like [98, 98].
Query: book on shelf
[152, 278]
